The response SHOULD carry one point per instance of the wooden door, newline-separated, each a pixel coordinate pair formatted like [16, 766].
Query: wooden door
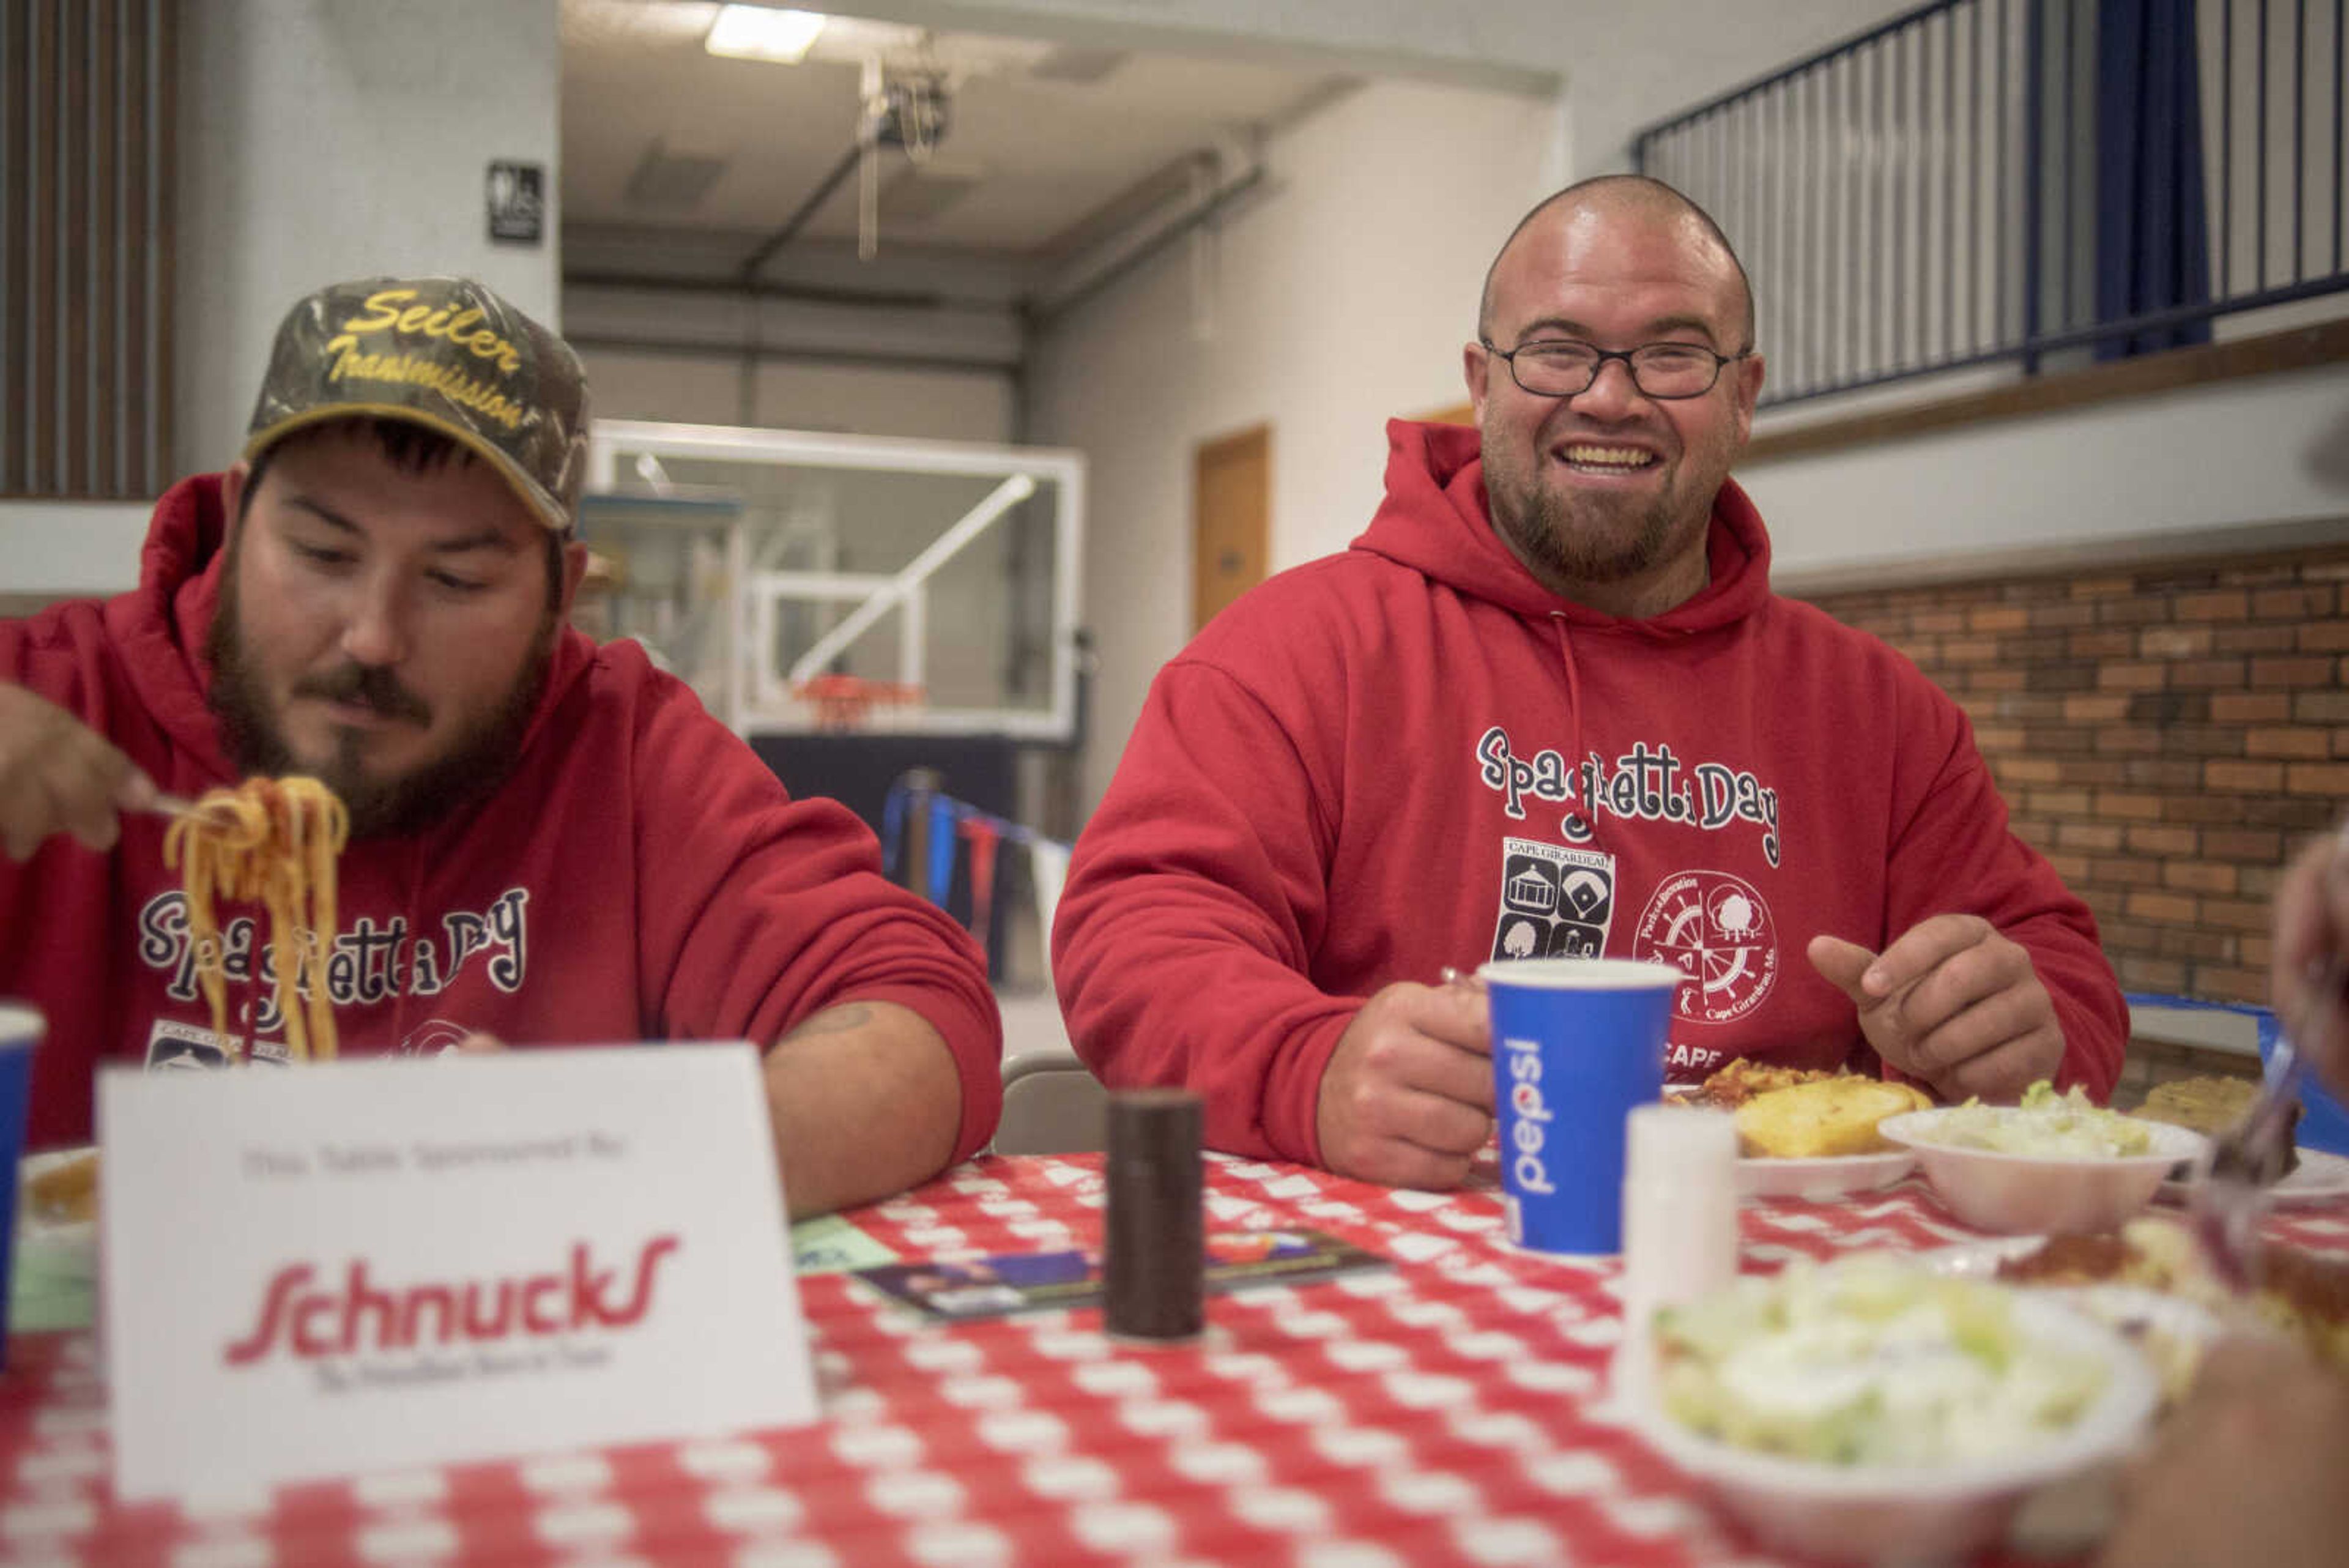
[1231, 501]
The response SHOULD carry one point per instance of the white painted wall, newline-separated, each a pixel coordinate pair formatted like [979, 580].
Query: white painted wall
[322, 139]
[62, 549]
[2264, 459]
[1344, 289]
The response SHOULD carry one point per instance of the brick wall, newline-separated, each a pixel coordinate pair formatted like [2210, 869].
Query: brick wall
[2164, 735]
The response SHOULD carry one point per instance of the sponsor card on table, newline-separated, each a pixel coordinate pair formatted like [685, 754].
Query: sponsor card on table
[1003, 1283]
[362, 1265]
[832, 1245]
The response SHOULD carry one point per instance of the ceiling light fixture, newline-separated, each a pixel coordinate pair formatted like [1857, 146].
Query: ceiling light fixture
[760, 33]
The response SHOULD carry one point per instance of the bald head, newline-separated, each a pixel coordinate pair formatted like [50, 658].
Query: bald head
[1632, 198]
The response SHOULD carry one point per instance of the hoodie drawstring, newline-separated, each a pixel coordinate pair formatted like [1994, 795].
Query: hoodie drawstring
[1574, 756]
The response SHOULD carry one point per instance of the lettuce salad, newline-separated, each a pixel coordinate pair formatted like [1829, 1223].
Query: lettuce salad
[1867, 1361]
[2068, 1125]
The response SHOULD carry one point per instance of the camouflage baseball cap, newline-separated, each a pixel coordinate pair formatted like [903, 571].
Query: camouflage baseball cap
[445, 353]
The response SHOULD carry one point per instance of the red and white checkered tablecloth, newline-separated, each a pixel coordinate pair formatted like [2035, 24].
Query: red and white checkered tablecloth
[1451, 1410]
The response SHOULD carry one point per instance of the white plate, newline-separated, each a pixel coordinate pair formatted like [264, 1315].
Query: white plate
[2132, 1309]
[1978, 1259]
[2319, 1177]
[1828, 1177]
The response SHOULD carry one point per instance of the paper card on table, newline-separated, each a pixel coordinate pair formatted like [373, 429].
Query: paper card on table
[965, 1288]
[832, 1245]
[387, 1263]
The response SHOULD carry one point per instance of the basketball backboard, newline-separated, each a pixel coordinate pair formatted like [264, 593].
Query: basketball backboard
[932, 582]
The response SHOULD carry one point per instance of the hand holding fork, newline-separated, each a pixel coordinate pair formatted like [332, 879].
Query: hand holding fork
[2311, 988]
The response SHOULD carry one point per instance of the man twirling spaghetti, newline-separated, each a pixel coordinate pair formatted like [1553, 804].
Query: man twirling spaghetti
[271, 842]
[551, 842]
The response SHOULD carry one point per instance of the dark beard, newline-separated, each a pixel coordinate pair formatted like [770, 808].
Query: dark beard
[1544, 533]
[480, 760]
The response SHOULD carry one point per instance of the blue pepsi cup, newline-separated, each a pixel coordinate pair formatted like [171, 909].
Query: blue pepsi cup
[21, 1028]
[1577, 1042]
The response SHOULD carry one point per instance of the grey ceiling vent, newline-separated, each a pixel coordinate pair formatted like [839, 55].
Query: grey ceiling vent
[672, 181]
[1076, 64]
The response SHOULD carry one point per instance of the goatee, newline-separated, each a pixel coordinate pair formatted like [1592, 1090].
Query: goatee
[1542, 527]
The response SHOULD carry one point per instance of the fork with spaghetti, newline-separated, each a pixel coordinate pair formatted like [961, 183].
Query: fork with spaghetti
[274, 842]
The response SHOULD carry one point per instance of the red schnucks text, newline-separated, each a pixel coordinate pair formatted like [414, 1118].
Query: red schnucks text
[308, 1321]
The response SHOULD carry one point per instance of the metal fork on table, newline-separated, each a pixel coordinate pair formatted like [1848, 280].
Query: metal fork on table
[2250, 1155]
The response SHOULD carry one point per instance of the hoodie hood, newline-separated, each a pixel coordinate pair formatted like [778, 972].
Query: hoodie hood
[1437, 520]
[163, 624]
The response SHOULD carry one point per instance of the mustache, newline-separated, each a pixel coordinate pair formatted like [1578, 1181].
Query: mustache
[1566, 427]
[369, 686]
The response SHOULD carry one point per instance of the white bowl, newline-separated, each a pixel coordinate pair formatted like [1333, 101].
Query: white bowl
[2050, 1194]
[1907, 1513]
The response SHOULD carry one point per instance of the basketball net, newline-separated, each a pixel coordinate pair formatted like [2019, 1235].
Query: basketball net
[843, 702]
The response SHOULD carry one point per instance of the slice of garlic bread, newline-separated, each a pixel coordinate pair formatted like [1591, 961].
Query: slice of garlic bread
[1827, 1117]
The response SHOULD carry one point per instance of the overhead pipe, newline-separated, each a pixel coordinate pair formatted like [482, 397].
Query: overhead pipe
[798, 220]
[773, 353]
[797, 293]
[1045, 315]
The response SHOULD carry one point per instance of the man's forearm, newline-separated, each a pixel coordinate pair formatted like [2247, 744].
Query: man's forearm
[866, 1103]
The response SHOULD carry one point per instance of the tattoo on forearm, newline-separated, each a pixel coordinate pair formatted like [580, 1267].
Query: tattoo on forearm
[833, 1020]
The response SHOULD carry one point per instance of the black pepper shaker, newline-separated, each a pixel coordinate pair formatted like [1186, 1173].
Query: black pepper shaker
[1153, 1262]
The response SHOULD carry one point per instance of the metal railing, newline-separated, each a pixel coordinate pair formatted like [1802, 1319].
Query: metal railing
[1924, 197]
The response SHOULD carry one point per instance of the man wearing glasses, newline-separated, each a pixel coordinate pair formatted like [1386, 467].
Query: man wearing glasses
[1549, 705]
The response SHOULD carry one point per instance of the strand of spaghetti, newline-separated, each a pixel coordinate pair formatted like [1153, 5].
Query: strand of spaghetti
[283, 878]
[203, 921]
[283, 897]
[191, 852]
[199, 874]
[316, 826]
[214, 839]
[289, 870]
[318, 880]
[331, 832]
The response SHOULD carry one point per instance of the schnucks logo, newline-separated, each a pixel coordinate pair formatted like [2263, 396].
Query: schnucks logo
[1532, 1115]
[309, 1321]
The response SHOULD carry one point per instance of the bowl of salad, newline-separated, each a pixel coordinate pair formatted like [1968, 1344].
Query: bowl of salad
[1871, 1410]
[2056, 1164]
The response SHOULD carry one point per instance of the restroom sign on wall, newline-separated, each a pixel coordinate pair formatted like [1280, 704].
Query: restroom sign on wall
[517, 202]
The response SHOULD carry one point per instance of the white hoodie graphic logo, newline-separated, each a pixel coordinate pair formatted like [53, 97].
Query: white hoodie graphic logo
[372, 960]
[1555, 902]
[1715, 930]
[1646, 783]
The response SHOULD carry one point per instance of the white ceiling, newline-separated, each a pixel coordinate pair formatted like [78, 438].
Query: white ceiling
[1045, 144]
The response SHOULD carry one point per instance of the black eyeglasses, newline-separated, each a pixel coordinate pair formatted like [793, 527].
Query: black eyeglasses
[1565, 367]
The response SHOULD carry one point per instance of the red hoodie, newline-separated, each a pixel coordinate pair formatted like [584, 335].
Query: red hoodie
[1412, 755]
[640, 874]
